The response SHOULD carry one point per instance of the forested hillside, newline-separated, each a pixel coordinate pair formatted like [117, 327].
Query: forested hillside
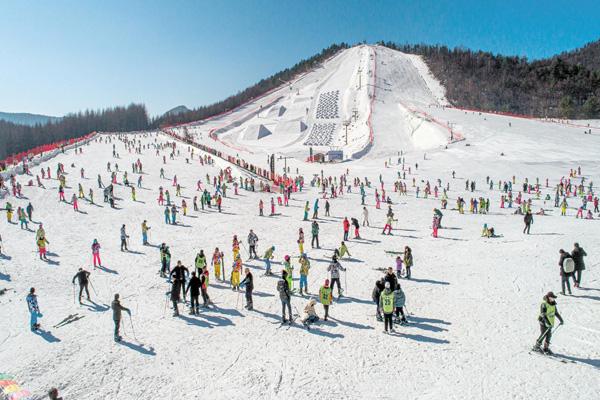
[566, 86]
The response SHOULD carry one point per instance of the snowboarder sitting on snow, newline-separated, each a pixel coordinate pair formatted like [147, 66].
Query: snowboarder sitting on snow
[310, 315]
[343, 250]
[487, 232]
[548, 312]
[117, 308]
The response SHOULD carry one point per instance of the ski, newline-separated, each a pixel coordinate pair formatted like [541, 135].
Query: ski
[556, 357]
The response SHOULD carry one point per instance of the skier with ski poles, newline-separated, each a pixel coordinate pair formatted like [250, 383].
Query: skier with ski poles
[334, 269]
[34, 310]
[82, 277]
[117, 309]
[548, 312]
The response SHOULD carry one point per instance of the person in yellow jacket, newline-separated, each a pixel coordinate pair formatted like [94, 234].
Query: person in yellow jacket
[9, 212]
[217, 260]
[304, 268]
[344, 250]
[235, 273]
[548, 312]
[41, 243]
[326, 297]
[387, 305]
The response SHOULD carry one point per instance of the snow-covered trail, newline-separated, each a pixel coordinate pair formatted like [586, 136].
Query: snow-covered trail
[473, 302]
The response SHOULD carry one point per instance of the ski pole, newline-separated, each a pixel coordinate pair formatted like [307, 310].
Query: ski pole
[74, 293]
[539, 339]
[93, 288]
[132, 329]
[346, 282]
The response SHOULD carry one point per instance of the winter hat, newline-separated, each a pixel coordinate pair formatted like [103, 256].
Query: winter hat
[551, 295]
[287, 258]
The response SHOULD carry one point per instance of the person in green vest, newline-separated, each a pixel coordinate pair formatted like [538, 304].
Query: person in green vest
[326, 297]
[548, 312]
[387, 305]
[200, 263]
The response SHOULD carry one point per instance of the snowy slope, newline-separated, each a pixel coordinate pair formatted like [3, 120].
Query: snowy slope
[472, 302]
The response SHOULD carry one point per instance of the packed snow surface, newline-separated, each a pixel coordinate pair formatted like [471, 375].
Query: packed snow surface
[472, 302]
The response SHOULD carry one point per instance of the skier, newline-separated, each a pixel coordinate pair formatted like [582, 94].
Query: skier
[200, 263]
[408, 260]
[96, 253]
[285, 297]
[117, 309]
[194, 289]
[548, 311]
[356, 228]
[175, 289]
[315, 235]
[528, 219]
[145, 229]
[248, 284]
[34, 310]
[180, 272]
[386, 303]
[346, 225]
[343, 251]
[29, 210]
[267, 258]
[252, 240]
[567, 269]
[82, 277]
[334, 269]
[365, 216]
[41, 243]
[165, 260]
[326, 297]
[217, 261]
[399, 302]
[578, 253]
[304, 268]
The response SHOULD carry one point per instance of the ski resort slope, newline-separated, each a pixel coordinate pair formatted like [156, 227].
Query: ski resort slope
[358, 101]
[472, 303]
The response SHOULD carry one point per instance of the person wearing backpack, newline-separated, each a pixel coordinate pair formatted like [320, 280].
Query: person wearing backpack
[285, 297]
[567, 268]
[578, 253]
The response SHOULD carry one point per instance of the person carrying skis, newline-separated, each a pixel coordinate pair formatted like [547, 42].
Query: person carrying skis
[386, 304]
[548, 312]
[578, 253]
[304, 268]
[124, 238]
[117, 308]
[194, 289]
[334, 269]
[285, 297]
[248, 285]
[145, 229]
[34, 310]
[252, 240]
[82, 277]
[326, 297]
[267, 258]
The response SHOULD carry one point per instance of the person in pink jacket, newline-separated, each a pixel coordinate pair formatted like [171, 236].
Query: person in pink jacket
[96, 253]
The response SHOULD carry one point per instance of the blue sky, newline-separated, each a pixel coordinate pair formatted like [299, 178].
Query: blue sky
[61, 56]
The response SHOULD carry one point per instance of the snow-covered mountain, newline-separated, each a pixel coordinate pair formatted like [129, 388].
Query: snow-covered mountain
[472, 302]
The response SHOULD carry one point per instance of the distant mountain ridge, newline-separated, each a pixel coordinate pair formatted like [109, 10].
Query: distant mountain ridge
[177, 110]
[27, 119]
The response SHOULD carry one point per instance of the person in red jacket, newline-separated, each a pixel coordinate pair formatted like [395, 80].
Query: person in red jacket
[346, 228]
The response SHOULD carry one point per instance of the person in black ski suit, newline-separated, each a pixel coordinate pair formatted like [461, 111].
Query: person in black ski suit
[248, 284]
[117, 308]
[578, 253]
[379, 286]
[175, 288]
[180, 272]
[285, 296]
[391, 278]
[528, 219]
[82, 277]
[194, 289]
